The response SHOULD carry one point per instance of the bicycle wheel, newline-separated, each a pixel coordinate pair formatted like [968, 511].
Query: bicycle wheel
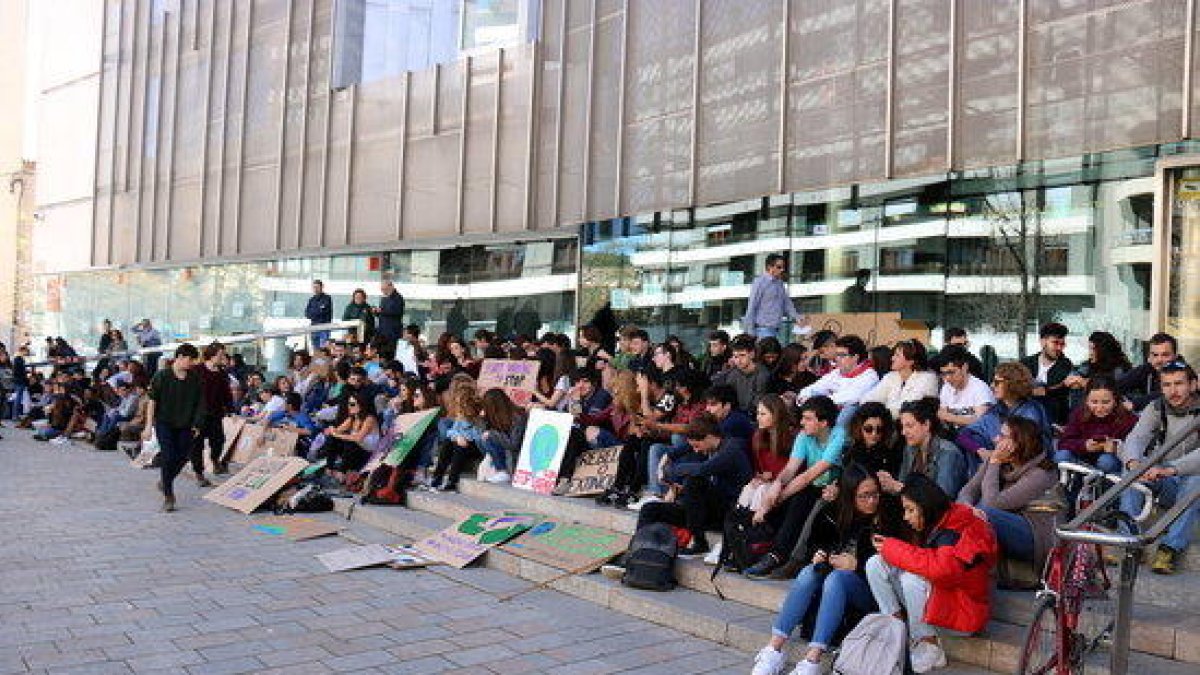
[1040, 653]
[1091, 596]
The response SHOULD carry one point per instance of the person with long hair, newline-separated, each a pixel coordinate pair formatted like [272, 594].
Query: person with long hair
[772, 441]
[839, 547]
[358, 309]
[939, 577]
[926, 453]
[909, 379]
[873, 440]
[1013, 385]
[790, 375]
[505, 428]
[348, 445]
[1097, 428]
[620, 424]
[1106, 358]
[462, 437]
[1011, 491]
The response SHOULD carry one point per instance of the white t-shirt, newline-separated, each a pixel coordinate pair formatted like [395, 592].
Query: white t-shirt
[1043, 373]
[964, 401]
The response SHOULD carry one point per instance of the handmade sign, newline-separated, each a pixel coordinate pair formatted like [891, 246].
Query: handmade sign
[295, 528]
[595, 472]
[469, 538]
[410, 427]
[542, 451]
[518, 379]
[356, 557]
[875, 328]
[568, 546]
[407, 558]
[256, 483]
[248, 445]
[232, 425]
[280, 441]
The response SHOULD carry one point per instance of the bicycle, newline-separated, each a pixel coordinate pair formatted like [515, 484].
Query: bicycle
[1073, 613]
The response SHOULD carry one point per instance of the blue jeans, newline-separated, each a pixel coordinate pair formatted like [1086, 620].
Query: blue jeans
[1013, 532]
[846, 414]
[496, 451]
[837, 591]
[653, 456]
[17, 408]
[1167, 491]
[761, 332]
[1105, 461]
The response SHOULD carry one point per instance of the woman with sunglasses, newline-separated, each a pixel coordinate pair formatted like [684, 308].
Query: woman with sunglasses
[873, 440]
[347, 446]
[838, 548]
[1013, 385]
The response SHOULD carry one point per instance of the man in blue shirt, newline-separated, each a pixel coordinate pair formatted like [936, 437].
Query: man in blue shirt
[769, 302]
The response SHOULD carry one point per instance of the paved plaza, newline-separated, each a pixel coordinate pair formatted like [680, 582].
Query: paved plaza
[93, 579]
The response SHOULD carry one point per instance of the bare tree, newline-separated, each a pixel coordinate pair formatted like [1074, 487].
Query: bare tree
[1016, 219]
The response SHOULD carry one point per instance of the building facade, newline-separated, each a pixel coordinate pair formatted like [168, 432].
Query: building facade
[989, 163]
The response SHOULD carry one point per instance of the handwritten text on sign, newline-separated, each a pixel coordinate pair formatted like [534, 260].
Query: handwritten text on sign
[568, 546]
[518, 379]
[595, 472]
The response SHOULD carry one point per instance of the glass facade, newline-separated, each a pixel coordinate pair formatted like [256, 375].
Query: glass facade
[997, 251]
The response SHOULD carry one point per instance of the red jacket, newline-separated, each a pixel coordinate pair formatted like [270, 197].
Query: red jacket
[957, 560]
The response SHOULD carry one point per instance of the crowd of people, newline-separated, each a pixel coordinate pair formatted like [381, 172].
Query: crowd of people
[892, 480]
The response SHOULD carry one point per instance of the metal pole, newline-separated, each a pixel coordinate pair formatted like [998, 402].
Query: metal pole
[952, 88]
[1119, 650]
[351, 121]
[462, 142]
[407, 87]
[889, 139]
[621, 88]
[535, 81]
[495, 162]
[1022, 60]
[1189, 39]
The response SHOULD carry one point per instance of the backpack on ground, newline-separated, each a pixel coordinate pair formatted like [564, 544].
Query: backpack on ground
[876, 646]
[384, 486]
[650, 563]
[744, 541]
[309, 498]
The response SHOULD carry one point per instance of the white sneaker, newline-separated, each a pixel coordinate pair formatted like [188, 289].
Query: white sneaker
[714, 556]
[806, 667]
[612, 571]
[768, 662]
[927, 656]
[644, 500]
[499, 477]
[60, 440]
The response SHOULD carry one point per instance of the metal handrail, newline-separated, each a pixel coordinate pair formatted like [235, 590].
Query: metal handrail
[1131, 545]
[239, 338]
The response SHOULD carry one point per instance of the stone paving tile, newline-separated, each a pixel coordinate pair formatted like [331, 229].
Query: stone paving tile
[121, 588]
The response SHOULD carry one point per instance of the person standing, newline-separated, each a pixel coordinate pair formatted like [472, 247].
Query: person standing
[390, 313]
[360, 310]
[175, 416]
[770, 303]
[147, 336]
[218, 400]
[319, 310]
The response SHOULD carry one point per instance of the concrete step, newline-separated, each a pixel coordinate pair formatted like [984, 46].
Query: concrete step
[1171, 632]
[738, 624]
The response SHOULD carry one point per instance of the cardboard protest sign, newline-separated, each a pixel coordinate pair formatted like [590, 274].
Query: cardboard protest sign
[411, 427]
[875, 328]
[595, 472]
[469, 538]
[232, 425]
[568, 546]
[407, 558]
[356, 557]
[518, 379]
[295, 528]
[280, 441]
[542, 451]
[256, 483]
[249, 443]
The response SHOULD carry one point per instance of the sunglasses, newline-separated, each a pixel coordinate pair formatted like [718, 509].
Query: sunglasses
[872, 428]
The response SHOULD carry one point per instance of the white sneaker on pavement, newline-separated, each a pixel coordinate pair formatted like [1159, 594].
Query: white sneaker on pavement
[644, 500]
[927, 656]
[714, 556]
[499, 477]
[60, 440]
[806, 667]
[768, 662]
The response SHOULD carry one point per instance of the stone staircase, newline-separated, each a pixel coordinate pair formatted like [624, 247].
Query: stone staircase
[1165, 637]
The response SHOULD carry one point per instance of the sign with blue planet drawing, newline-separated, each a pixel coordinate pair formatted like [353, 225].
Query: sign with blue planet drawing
[542, 451]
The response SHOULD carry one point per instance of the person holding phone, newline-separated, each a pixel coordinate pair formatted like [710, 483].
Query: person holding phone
[1097, 428]
[838, 549]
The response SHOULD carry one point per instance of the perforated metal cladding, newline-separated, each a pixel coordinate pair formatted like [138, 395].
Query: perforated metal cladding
[513, 161]
[547, 144]
[658, 120]
[988, 62]
[922, 72]
[477, 188]
[1099, 78]
[837, 92]
[737, 137]
[605, 114]
[376, 169]
[574, 117]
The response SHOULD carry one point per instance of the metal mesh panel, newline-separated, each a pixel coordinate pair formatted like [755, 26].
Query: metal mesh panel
[1103, 78]
[264, 90]
[376, 167]
[429, 192]
[296, 126]
[547, 143]
[335, 222]
[837, 92]
[514, 141]
[738, 147]
[987, 99]
[106, 141]
[318, 104]
[449, 93]
[477, 176]
[574, 125]
[605, 121]
[922, 72]
[187, 155]
[236, 104]
[148, 142]
[657, 160]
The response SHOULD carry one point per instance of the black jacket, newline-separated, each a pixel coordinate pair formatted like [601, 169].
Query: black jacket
[1057, 399]
[319, 308]
[391, 316]
[1141, 386]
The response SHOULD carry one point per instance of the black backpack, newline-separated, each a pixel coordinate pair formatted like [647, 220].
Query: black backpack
[650, 563]
[744, 541]
[310, 498]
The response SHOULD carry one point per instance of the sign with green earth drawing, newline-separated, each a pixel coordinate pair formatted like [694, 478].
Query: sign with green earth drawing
[469, 538]
[542, 451]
